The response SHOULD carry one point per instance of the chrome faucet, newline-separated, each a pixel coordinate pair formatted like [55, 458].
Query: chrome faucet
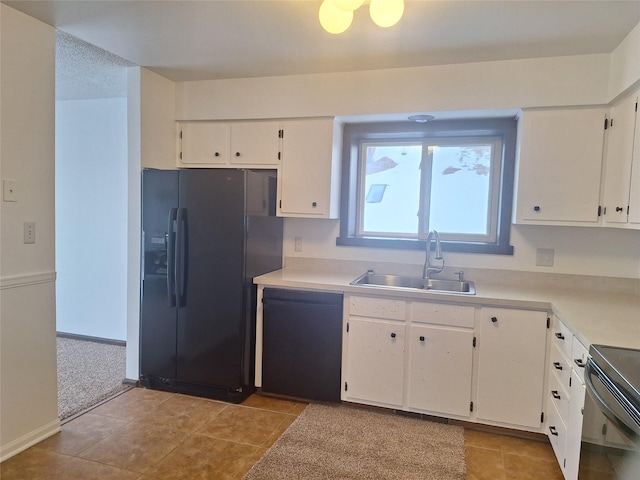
[428, 268]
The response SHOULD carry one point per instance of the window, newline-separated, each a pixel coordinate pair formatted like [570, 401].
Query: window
[402, 180]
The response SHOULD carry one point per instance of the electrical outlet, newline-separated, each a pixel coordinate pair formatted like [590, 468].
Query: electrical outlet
[29, 232]
[298, 244]
[544, 257]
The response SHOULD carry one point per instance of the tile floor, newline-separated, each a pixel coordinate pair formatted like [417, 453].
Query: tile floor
[150, 435]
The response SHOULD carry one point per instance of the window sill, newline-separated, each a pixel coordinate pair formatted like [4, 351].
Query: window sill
[406, 244]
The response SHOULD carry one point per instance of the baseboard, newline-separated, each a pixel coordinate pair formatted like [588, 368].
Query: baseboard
[21, 444]
[88, 338]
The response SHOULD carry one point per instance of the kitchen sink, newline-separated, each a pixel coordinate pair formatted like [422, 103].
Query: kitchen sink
[371, 279]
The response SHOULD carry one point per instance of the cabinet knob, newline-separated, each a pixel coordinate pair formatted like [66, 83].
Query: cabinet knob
[421, 338]
[555, 394]
[619, 209]
[494, 319]
[314, 204]
[237, 154]
[393, 335]
[559, 336]
[536, 208]
[557, 365]
[217, 154]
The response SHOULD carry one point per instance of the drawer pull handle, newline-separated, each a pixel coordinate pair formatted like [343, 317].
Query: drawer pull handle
[579, 362]
[553, 430]
[393, 335]
[557, 365]
[559, 336]
[555, 394]
[422, 339]
[494, 319]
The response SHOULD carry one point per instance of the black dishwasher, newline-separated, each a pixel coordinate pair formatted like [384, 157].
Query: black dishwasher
[302, 344]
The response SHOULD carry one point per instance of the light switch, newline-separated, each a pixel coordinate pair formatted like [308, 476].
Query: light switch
[298, 244]
[9, 190]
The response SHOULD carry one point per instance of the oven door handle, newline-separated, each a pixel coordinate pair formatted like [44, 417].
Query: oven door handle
[592, 369]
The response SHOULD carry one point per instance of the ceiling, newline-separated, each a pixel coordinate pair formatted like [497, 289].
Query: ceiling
[196, 40]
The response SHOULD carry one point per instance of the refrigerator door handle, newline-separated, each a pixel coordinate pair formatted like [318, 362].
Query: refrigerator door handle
[171, 255]
[181, 256]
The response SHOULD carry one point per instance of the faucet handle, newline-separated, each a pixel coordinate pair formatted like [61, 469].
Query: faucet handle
[460, 275]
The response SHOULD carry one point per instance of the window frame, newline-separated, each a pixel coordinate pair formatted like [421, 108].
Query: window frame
[439, 130]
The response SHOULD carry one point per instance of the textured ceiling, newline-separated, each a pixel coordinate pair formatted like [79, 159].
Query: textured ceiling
[84, 71]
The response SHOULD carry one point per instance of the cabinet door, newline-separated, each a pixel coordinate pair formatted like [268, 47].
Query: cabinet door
[511, 362]
[204, 143]
[618, 161]
[440, 365]
[308, 184]
[254, 143]
[375, 362]
[634, 190]
[560, 164]
[574, 428]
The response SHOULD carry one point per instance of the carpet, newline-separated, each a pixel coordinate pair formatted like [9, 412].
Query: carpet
[346, 442]
[88, 372]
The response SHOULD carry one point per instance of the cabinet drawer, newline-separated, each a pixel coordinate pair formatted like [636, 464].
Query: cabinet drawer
[561, 336]
[441, 314]
[579, 354]
[558, 396]
[377, 307]
[560, 366]
[557, 433]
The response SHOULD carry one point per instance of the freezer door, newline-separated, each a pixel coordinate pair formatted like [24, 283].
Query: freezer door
[211, 237]
[158, 315]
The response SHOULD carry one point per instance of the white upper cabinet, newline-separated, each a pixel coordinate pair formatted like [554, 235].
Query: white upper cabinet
[559, 168]
[203, 144]
[309, 176]
[236, 144]
[621, 196]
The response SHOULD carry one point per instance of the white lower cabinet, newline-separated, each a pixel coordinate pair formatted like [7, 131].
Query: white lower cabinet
[375, 361]
[511, 367]
[574, 428]
[440, 367]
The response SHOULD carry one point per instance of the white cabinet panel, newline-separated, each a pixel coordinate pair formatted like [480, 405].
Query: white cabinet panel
[560, 166]
[511, 363]
[440, 366]
[442, 314]
[255, 143]
[574, 428]
[375, 362]
[309, 179]
[204, 143]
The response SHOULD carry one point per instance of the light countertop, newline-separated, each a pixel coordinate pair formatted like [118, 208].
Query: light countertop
[595, 317]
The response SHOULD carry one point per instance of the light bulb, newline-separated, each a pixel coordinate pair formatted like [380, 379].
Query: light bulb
[333, 19]
[386, 13]
[348, 5]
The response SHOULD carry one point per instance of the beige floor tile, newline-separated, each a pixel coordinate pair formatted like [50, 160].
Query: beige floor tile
[137, 446]
[134, 404]
[519, 467]
[528, 448]
[185, 412]
[477, 438]
[484, 464]
[38, 464]
[201, 457]
[275, 404]
[82, 433]
[244, 425]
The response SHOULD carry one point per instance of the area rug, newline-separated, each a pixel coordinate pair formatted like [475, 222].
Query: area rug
[88, 372]
[347, 442]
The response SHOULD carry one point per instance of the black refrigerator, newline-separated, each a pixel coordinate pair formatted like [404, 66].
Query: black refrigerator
[206, 234]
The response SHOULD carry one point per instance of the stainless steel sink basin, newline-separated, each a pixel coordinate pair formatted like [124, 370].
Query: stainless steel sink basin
[371, 279]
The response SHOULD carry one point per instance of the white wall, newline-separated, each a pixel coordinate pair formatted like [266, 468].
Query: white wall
[152, 144]
[91, 217]
[28, 380]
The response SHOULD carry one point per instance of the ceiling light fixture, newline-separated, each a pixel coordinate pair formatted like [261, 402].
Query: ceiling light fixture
[336, 15]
